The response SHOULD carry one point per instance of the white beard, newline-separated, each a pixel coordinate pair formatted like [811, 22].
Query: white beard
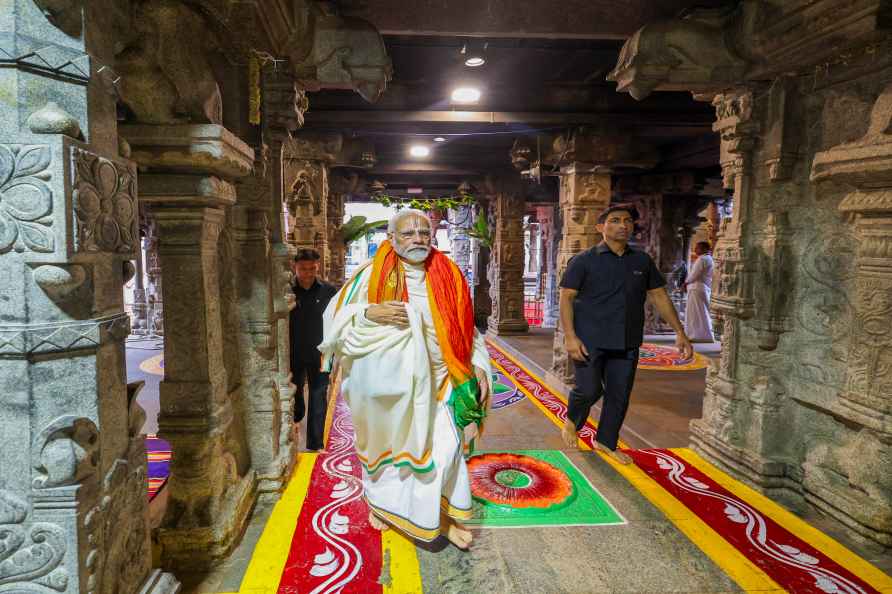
[415, 255]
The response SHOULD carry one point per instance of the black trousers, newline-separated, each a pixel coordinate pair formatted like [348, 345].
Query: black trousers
[318, 404]
[610, 374]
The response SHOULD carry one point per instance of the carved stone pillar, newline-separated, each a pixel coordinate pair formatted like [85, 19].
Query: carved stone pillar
[506, 266]
[283, 107]
[267, 423]
[140, 310]
[73, 511]
[461, 219]
[547, 224]
[865, 398]
[480, 257]
[154, 298]
[718, 433]
[282, 253]
[212, 484]
[340, 187]
[583, 195]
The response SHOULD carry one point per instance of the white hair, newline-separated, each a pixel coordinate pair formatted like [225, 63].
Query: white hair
[401, 214]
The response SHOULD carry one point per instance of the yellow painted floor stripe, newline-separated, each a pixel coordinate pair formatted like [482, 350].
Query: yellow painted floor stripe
[827, 545]
[731, 561]
[405, 573]
[271, 553]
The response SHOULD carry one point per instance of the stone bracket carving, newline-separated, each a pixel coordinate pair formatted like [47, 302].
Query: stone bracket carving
[694, 54]
[711, 49]
[105, 204]
[331, 51]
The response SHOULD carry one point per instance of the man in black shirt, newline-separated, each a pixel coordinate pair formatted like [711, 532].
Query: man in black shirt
[312, 296]
[603, 292]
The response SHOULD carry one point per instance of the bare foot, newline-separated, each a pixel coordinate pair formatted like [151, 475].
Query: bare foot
[377, 523]
[568, 434]
[458, 534]
[617, 455]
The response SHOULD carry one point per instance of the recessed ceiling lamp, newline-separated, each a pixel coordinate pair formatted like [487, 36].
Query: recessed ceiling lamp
[419, 151]
[474, 57]
[466, 95]
[439, 139]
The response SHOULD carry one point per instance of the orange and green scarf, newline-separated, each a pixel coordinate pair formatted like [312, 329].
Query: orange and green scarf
[453, 315]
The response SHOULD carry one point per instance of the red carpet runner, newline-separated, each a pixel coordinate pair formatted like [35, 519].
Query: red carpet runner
[334, 550]
[788, 560]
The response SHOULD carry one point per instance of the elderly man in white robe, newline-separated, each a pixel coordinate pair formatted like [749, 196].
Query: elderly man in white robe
[697, 321]
[415, 374]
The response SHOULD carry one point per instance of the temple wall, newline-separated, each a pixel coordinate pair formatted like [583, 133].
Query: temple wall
[800, 402]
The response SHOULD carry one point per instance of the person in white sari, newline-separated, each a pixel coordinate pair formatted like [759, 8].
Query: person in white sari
[402, 332]
[697, 321]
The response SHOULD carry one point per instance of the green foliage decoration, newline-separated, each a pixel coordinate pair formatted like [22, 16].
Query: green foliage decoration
[358, 227]
[422, 203]
[481, 231]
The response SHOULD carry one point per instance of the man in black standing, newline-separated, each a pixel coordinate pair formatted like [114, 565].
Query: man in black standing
[603, 292]
[312, 296]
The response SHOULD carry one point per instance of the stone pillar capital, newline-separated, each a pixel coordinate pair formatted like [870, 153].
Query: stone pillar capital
[189, 148]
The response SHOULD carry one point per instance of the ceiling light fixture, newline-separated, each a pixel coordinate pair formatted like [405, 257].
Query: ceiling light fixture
[466, 95]
[474, 57]
[439, 139]
[419, 151]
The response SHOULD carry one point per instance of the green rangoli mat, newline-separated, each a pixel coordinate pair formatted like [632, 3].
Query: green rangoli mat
[534, 488]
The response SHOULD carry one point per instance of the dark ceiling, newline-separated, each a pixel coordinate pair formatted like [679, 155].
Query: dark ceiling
[529, 86]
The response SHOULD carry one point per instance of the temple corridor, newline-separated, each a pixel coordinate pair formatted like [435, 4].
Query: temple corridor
[637, 529]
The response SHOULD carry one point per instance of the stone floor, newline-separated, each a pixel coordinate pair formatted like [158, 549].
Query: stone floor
[648, 553]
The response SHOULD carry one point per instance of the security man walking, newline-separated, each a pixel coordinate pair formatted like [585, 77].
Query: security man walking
[312, 297]
[602, 298]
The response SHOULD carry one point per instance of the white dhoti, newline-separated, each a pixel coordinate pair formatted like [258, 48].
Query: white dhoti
[397, 386]
[697, 321]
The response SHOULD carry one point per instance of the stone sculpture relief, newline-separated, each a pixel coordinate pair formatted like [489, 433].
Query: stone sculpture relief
[104, 203]
[26, 200]
[65, 452]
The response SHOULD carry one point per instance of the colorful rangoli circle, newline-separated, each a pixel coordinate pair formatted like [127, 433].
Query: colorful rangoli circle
[517, 481]
[666, 358]
[504, 392]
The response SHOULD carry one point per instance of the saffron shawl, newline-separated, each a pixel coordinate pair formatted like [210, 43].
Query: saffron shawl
[451, 305]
